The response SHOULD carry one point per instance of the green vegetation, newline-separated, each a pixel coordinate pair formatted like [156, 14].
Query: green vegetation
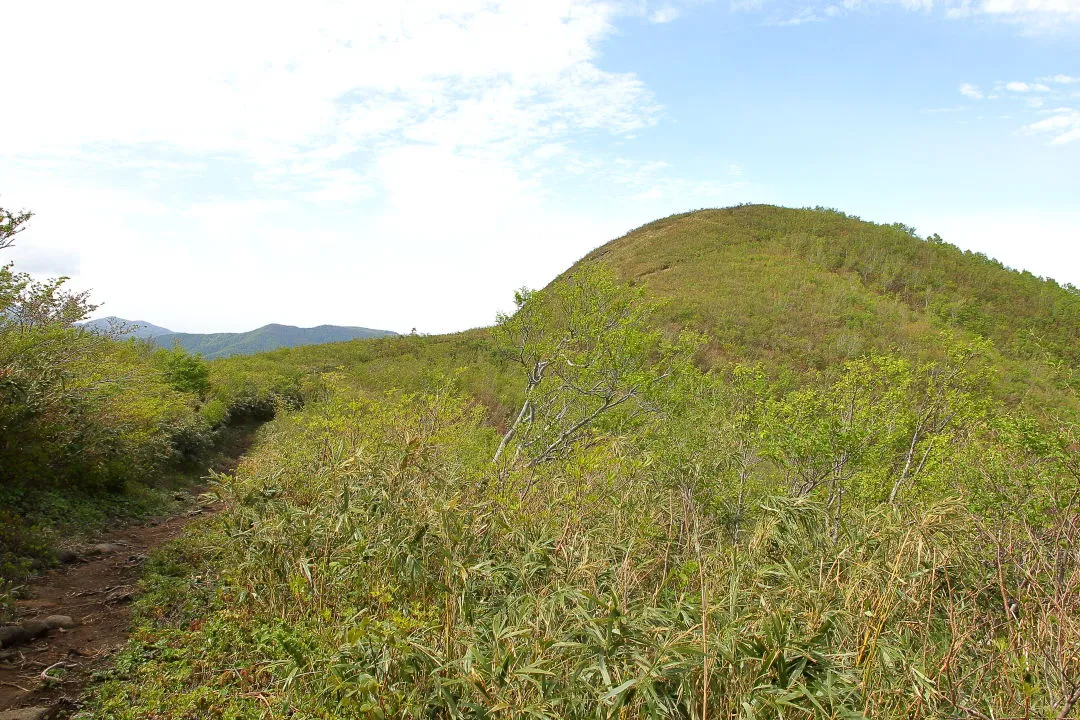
[92, 426]
[808, 289]
[848, 505]
[588, 352]
[374, 563]
[753, 462]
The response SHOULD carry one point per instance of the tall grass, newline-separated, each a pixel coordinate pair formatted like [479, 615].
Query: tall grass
[373, 564]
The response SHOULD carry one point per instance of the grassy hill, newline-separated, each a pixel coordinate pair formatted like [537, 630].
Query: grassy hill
[808, 289]
[816, 468]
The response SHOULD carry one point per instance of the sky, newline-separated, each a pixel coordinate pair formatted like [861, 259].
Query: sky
[216, 166]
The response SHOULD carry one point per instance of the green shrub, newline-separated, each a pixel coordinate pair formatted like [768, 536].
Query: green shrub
[185, 372]
[83, 414]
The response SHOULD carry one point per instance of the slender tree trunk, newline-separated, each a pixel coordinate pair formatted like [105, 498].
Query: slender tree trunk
[916, 436]
[744, 474]
[513, 428]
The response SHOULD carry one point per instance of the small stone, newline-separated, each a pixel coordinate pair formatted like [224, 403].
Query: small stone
[67, 557]
[105, 548]
[59, 621]
[120, 594]
[30, 713]
[12, 635]
[35, 628]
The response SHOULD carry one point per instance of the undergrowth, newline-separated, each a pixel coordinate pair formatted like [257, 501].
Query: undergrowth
[373, 563]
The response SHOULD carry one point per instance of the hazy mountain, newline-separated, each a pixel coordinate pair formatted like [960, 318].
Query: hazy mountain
[217, 345]
[133, 328]
[268, 337]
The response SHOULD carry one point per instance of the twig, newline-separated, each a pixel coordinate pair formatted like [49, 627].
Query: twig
[45, 673]
[1069, 703]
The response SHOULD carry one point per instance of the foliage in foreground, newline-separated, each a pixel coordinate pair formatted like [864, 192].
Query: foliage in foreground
[887, 543]
[374, 565]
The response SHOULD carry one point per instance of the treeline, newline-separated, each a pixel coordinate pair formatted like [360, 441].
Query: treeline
[627, 535]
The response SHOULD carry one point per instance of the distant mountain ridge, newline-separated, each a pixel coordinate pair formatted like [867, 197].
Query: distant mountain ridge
[133, 328]
[219, 345]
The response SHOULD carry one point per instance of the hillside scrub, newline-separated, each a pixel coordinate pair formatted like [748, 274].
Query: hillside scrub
[89, 422]
[806, 289]
[589, 353]
[883, 539]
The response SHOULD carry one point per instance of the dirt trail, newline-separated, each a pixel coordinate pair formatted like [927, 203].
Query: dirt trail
[49, 673]
[96, 595]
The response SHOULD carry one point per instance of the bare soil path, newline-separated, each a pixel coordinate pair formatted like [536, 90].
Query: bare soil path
[43, 678]
[51, 670]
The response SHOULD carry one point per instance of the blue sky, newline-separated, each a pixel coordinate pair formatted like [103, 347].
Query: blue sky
[215, 167]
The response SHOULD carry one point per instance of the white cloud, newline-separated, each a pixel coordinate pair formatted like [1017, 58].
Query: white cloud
[1063, 124]
[1060, 79]
[802, 17]
[1034, 16]
[219, 166]
[1063, 9]
[250, 79]
[1023, 87]
[971, 91]
[665, 14]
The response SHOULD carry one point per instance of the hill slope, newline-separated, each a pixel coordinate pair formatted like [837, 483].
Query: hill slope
[801, 291]
[268, 337]
[807, 289]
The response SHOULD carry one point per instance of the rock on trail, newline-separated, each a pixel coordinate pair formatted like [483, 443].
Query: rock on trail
[29, 713]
